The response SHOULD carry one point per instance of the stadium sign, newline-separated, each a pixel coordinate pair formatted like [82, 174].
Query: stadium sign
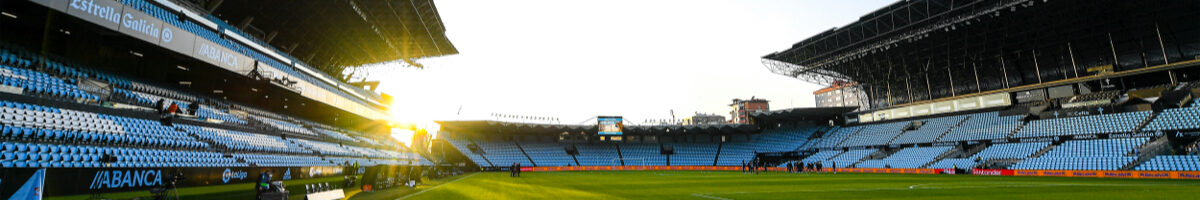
[231, 174]
[105, 13]
[113, 179]
[140, 25]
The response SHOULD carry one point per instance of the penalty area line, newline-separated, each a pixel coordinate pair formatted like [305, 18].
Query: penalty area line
[436, 187]
[709, 197]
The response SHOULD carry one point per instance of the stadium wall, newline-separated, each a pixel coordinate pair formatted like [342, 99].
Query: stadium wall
[77, 181]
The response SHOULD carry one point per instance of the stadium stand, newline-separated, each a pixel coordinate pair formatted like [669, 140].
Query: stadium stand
[1099, 154]
[1011, 150]
[505, 152]
[694, 154]
[1114, 123]
[984, 126]
[930, 130]
[822, 156]
[1176, 119]
[850, 157]
[462, 145]
[643, 154]
[597, 155]
[547, 154]
[1172, 163]
[876, 134]
[836, 137]
[914, 157]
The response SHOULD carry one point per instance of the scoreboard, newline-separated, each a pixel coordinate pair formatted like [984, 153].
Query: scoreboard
[609, 125]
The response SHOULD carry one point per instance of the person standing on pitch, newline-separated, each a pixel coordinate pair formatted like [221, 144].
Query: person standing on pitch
[820, 166]
[743, 166]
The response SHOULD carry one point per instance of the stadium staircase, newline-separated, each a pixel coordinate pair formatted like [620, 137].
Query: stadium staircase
[881, 154]
[1160, 145]
[576, 159]
[818, 136]
[1145, 122]
[620, 156]
[997, 163]
[960, 123]
[1045, 150]
[718, 156]
[898, 136]
[952, 152]
[971, 150]
[481, 155]
[526, 154]
[839, 143]
[1018, 129]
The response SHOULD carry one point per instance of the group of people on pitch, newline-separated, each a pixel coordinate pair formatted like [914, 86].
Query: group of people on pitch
[753, 167]
[800, 166]
[514, 170]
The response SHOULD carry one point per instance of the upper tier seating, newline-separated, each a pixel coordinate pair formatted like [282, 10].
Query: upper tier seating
[336, 135]
[931, 130]
[876, 134]
[913, 157]
[1113, 123]
[984, 126]
[208, 112]
[325, 148]
[242, 141]
[1176, 119]
[41, 84]
[833, 138]
[284, 125]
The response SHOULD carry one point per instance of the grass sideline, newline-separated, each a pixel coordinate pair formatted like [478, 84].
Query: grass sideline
[725, 185]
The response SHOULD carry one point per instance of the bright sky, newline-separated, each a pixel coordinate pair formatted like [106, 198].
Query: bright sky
[639, 59]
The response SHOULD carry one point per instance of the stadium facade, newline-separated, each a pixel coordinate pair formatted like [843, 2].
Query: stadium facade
[107, 96]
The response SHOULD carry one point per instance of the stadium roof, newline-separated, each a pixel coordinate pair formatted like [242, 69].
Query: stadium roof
[331, 35]
[801, 114]
[536, 129]
[930, 50]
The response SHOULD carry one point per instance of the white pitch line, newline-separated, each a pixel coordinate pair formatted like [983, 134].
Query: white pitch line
[709, 197]
[926, 187]
[436, 187]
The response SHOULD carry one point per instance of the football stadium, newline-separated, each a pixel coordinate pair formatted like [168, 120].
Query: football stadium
[910, 99]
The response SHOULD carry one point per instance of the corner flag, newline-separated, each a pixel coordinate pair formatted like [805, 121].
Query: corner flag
[32, 188]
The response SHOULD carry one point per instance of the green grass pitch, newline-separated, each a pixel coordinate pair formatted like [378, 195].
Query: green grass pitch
[725, 185]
